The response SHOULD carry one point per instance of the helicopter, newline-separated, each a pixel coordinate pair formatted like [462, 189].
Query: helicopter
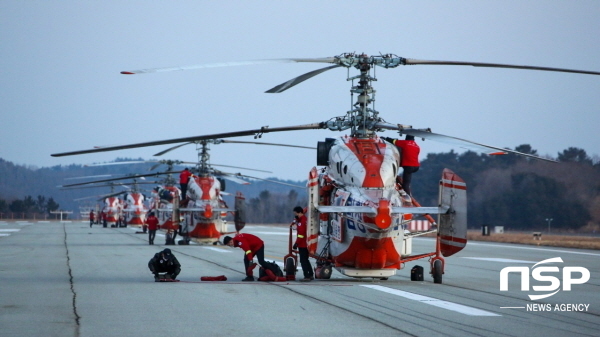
[201, 215]
[203, 210]
[357, 208]
[121, 208]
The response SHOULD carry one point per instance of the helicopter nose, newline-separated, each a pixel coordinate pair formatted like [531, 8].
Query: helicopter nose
[208, 211]
[383, 219]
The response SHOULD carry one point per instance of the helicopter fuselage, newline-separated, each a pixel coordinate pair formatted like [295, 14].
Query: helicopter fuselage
[203, 212]
[135, 210]
[112, 210]
[351, 207]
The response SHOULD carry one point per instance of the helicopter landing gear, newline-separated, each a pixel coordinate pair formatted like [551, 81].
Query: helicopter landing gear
[290, 268]
[437, 269]
[323, 271]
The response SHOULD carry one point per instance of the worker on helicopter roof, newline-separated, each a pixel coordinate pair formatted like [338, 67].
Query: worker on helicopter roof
[409, 154]
[184, 178]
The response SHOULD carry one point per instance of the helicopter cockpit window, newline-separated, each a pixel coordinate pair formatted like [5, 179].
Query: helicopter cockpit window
[374, 194]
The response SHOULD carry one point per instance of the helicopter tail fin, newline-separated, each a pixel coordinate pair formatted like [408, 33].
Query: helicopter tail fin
[452, 223]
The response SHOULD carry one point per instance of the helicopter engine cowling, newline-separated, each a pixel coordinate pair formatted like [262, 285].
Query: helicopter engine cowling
[363, 162]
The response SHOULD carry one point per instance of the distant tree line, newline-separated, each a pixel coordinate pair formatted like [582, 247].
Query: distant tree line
[273, 207]
[518, 192]
[506, 190]
[28, 206]
[503, 190]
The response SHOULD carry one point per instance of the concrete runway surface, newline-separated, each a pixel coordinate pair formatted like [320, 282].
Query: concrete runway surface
[67, 279]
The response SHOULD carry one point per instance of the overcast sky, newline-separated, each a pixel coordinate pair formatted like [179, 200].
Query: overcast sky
[61, 89]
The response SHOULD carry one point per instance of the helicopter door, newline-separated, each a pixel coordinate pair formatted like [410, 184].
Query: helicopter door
[453, 223]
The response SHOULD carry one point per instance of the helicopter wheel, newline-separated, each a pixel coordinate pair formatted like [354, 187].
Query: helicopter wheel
[437, 271]
[323, 272]
[290, 267]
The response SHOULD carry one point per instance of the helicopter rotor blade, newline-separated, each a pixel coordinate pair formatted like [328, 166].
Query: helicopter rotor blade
[111, 195]
[243, 168]
[102, 196]
[94, 176]
[172, 148]
[495, 65]
[297, 80]
[462, 143]
[228, 64]
[231, 177]
[261, 143]
[136, 176]
[271, 181]
[117, 163]
[256, 132]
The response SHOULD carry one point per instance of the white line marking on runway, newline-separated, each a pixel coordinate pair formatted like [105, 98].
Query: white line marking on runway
[10, 230]
[4, 234]
[512, 246]
[496, 259]
[218, 249]
[463, 309]
[533, 248]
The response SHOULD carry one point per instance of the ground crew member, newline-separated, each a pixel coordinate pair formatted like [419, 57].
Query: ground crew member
[152, 223]
[252, 246]
[409, 159]
[184, 178]
[91, 218]
[302, 245]
[164, 262]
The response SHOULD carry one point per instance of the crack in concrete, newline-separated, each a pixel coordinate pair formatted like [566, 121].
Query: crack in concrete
[77, 317]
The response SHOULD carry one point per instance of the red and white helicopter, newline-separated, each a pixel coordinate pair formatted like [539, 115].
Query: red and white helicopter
[356, 207]
[203, 211]
[201, 215]
[130, 210]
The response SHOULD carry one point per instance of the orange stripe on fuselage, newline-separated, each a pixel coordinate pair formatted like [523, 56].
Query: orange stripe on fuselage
[370, 153]
[205, 183]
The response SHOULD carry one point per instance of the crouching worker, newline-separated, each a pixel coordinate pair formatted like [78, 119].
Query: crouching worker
[164, 262]
[252, 246]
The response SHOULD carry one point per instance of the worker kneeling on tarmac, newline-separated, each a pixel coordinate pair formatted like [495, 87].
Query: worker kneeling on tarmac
[164, 262]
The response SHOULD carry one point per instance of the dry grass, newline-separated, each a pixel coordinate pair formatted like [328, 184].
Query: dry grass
[566, 241]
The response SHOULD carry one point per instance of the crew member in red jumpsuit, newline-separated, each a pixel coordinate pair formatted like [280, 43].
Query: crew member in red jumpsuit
[409, 154]
[252, 246]
[184, 178]
[302, 245]
[152, 222]
[91, 218]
